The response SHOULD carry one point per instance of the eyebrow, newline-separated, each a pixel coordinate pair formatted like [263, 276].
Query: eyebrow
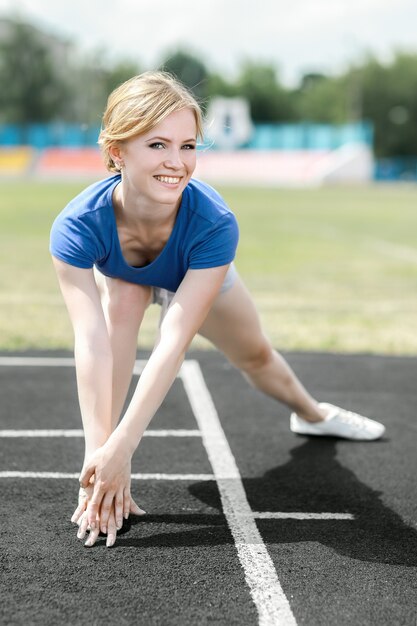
[193, 139]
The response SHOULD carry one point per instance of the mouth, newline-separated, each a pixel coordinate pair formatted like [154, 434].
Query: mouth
[168, 180]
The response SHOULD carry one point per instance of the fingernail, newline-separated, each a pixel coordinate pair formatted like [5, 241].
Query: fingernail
[126, 515]
[93, 525]
[110, 541]
[104, 529]
[119, 525]
[88, 543]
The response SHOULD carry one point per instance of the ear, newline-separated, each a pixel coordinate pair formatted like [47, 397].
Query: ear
[116, 153]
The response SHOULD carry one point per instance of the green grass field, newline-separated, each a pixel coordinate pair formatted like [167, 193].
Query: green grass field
[332, 269]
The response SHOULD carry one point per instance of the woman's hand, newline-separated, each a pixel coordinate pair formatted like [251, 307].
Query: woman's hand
[109, 468]
[80, 517]
[83, 496]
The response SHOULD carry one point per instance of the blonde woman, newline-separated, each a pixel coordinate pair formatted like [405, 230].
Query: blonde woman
[151, 233]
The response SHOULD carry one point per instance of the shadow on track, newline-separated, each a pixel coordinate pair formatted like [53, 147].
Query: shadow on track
[315, 481]
[312, 481]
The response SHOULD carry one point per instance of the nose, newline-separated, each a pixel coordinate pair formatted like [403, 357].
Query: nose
[174, 160]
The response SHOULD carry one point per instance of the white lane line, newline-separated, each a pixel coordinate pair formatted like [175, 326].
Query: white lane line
[180, 432]
[191, 477]
[40, 433]
[397, 251]
[13, 474]
[79, 433]
[72, 475]
[37, 361]
[302, 516]
[261, 577]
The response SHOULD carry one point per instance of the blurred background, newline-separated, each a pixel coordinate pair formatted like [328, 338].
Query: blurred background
[271, 77]
[312, 108]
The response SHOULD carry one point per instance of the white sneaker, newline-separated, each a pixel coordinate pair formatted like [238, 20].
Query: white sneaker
[339, 423]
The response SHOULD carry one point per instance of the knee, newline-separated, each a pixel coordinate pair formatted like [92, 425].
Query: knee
[259, 356]
[126, 300]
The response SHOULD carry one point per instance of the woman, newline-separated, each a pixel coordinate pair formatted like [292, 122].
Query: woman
[151, 233]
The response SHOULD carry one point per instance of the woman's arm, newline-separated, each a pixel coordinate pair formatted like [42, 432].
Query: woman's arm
[92, 352]
[182, 321]
[94, 368]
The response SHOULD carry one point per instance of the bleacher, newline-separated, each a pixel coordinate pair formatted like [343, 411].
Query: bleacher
[77, 162]
[276, 154]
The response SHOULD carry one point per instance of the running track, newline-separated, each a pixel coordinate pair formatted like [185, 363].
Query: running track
[245, 524]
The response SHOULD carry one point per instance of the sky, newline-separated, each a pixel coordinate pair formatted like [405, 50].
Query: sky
[297, 36]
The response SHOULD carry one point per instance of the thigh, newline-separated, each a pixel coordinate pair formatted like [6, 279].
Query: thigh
[122, 301]
[233, 325]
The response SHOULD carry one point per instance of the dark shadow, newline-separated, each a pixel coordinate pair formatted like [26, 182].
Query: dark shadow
[165, 530]
[312, 481]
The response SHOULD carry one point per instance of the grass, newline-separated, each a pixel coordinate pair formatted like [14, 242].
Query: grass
[331, 269]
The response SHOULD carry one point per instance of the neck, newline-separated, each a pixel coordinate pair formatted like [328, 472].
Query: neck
[132, 208]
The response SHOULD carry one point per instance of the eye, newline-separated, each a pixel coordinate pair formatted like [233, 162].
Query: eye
[158, 145]
[188, 146]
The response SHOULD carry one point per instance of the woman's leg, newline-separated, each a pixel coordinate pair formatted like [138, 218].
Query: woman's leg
[124, 305]
[233, 326]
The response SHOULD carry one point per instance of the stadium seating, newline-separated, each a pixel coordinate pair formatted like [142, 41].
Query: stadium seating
[15, 161]
[70, 162]
[286, 167]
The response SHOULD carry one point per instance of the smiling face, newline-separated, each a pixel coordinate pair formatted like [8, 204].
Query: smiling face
[158, 165]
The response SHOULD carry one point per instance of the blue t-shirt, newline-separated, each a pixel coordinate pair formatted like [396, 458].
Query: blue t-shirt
[205, 234]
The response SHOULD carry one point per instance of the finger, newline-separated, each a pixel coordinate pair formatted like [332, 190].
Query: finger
[111, 531]
[118, 509]
[135, 509]
[83, 526]
[92, 537]
[78, 512]
[93, 509]
[86, 475]
[126, 502]
[105, 510]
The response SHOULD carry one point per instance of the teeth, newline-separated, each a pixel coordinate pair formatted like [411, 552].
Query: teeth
[168, 179]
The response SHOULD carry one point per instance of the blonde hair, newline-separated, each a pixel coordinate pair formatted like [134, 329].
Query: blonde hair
[138, 105]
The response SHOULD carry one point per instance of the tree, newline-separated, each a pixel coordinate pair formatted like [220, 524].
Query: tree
[322, 100]
[219, 86]
[92, 80]
[190, 70]
[383, 94]
[389, 99]
[115, 75]
[33, 90]
[269, 101]
[41, 82]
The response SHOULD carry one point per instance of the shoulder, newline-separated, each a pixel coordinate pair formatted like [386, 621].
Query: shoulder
[213, 232]
[79, 234]
[205, 202]
[95, 197]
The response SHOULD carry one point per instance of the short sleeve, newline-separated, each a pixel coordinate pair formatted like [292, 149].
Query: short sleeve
[73, 242]
[218, 244]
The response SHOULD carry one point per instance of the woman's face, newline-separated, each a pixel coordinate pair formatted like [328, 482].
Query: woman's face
[159, 164]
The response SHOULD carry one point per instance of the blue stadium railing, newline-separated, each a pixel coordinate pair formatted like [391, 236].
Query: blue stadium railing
[303, 136]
